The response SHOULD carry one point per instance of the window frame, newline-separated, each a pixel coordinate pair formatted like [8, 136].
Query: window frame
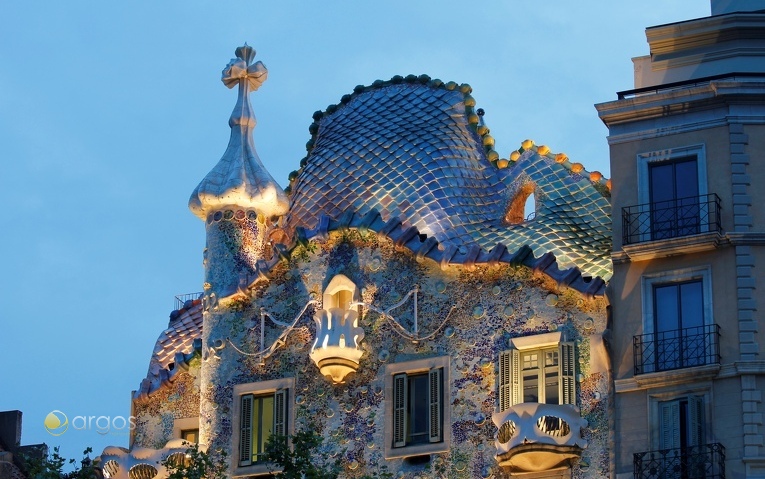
[650, 281]
[655, 401]
[181, 425]
[261, 388]
[644, 161]
[659, 156]
[510, 369]
[422, 366]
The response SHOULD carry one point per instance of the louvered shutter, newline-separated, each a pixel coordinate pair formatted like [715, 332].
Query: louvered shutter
[245, 431]
[515, 377]
[435, 393]
[670, 424]
[696, 421]
[505, 387]
[399, 410]
[567, 368]
[280, 412]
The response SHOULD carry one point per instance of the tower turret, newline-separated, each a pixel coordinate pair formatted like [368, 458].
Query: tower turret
[239, 202]
[238, 198]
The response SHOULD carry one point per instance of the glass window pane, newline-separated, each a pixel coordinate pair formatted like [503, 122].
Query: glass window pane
[530, 361]
[531, 387]
[267, 421]
[662, 182]
[666, 308]
[686, 178]
[418, 409]
[692, 304]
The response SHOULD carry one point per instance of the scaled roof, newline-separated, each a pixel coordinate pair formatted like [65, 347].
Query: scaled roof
[411, 149]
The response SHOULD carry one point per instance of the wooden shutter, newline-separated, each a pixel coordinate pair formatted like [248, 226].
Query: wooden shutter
[280, 412]
[515, 377]
[245, 431]
[435, 392]
[567, 368]
[695, 421]
[669, 412]
[399, 410]
[505, 386]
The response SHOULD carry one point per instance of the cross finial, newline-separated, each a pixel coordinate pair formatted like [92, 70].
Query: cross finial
[242, 71]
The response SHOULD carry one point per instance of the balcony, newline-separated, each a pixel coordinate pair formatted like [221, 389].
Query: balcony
[694, 462]
[676, 349]
[671, 219]
[534, 437]
[680, 226]
[182, 300]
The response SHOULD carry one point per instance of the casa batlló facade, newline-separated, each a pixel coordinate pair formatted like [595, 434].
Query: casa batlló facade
[393, 296]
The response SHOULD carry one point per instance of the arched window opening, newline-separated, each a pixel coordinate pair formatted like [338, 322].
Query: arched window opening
[523, 206]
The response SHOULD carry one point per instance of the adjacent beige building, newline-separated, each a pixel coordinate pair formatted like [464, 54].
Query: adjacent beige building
[687, 146]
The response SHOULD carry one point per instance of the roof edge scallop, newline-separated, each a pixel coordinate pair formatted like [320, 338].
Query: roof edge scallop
[467, 255]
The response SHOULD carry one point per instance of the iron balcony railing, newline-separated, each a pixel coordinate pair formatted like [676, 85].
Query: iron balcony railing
[694, 462]
[180, 299]
[676, 349]
[671, 219]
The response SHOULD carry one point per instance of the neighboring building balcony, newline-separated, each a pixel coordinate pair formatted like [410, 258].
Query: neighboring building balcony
[682, 225]
[534, 437]
[694, 462]
[677, 349]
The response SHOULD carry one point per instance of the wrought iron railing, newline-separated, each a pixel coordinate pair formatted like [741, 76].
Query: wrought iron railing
[671, 219]
[694, 462]
[676, 349]
[180, 299]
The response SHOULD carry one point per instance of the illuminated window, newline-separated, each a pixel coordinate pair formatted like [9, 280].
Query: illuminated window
[538, 369]
[261, 417]
[190, 435]
[260, 411]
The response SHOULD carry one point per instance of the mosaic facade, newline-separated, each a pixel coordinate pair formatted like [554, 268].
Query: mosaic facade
[402, 220]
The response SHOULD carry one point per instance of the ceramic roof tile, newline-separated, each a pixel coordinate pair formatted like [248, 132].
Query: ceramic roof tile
[177, 338]
[408, 150]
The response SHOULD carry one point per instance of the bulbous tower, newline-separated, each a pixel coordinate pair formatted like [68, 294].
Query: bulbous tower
[239, 202]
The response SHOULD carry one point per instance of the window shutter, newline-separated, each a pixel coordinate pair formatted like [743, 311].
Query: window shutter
[435, 388]
[245, 431]
[505, 386]
[670, 425]
[515, 377]
[399, 410]
[567, 368]
[280, 412]
[696, 420]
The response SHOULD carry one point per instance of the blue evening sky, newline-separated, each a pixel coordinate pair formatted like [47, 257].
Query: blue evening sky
[112, 112]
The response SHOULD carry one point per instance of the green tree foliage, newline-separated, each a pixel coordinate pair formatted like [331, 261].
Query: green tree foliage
[51, 466]
[197, 464]
[301, 461]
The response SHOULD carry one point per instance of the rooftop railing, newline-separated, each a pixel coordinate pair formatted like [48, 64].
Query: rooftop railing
[180, 299]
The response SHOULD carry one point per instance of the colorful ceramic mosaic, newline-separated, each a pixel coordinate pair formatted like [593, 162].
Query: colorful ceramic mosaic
[469, 316]
[403, 197]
